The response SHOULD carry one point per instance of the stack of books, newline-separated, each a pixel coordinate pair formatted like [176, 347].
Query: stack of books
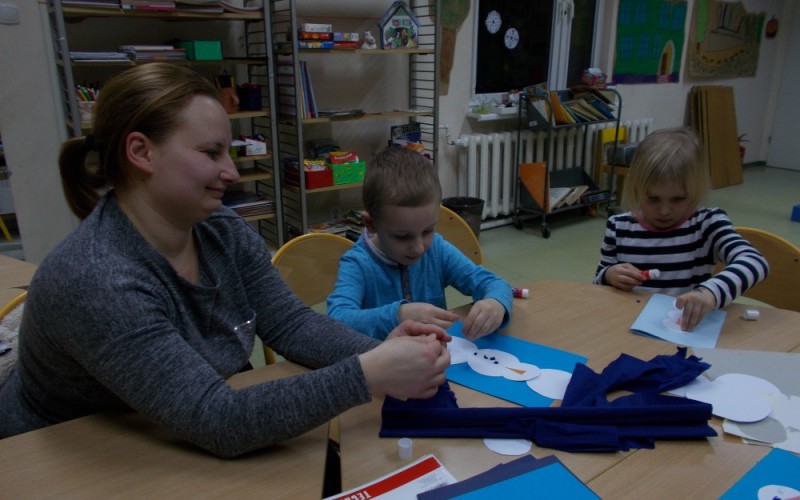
[157, 5]
[149, 53]
[248, 204]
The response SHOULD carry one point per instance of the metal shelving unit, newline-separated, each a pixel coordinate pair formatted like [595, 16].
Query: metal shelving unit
[251, 61]
[422, 95]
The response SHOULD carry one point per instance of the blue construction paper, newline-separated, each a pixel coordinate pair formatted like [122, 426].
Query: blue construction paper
[778, 468]
[650, 323]
[552, 481]
[494, 475]
[527, 352]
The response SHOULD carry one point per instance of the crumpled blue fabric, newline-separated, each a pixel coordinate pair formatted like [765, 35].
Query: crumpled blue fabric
[585, 422]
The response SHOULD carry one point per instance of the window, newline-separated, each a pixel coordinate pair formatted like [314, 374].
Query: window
[524, 42]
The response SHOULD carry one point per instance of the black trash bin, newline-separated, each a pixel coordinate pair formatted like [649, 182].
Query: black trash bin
[470, 209]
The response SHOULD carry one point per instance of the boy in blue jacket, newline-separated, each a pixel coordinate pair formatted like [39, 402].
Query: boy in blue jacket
[400, 266]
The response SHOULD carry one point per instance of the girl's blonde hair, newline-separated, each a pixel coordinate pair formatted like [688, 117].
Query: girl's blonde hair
[670, 154]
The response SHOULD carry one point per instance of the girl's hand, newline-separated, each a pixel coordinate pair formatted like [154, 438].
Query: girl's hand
[623, 276]
[695, 305]
[484, 317]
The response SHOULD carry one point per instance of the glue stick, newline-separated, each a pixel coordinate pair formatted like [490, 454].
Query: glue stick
[520, 293]
[651, 274]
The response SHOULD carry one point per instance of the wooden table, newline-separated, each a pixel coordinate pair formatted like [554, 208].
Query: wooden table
[124, 455]
[592, 321]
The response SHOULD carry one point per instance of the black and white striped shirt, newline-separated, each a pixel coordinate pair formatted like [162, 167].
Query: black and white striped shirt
[685, 255]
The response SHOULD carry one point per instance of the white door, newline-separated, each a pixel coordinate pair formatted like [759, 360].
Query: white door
[784, 148]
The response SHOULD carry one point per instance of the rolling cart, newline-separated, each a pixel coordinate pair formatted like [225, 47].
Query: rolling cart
[541, 189]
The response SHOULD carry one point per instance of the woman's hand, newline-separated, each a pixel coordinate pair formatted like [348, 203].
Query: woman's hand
[695, 305]
[484, 317]
[406, 366]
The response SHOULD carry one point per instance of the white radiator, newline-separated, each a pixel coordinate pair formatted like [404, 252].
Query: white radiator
[486, 162]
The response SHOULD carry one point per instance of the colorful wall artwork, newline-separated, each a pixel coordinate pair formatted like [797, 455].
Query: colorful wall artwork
[650, 38]
[724, 39]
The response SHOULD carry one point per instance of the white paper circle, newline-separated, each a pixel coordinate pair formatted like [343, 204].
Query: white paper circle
[551, 383]
[776, 491]
[736, 396]
[508, 446]
[460, 350]
[699, 382]
[491, 362]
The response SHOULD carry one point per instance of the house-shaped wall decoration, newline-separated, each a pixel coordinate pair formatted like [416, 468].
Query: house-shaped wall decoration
[398, 27]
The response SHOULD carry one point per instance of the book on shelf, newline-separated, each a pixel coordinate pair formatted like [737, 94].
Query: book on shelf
[329, 227]
[93, 4]
[247, 203]
[89, 56]
[230, 6]
[199, 6]
[561, 113]
[155, 5]
[565, 196]
[341, 113]
[403, 135]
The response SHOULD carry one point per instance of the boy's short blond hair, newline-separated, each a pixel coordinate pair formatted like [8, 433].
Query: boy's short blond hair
[400, 177]
[670, 154]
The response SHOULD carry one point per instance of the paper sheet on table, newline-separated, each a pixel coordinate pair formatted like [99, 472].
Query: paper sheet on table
[656, 320]
[525, 477]
[527, 352]
[420, 476]
[774, 476]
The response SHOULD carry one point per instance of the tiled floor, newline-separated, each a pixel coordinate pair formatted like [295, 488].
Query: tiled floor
[764, 200]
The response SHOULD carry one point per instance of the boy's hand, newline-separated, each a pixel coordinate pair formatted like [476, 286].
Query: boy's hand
[695, 305]
[410, 328]
[484, 317]
[623, 276]
[427, 313]
[406, 367]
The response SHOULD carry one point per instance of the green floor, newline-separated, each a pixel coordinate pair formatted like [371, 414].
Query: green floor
[764, 200]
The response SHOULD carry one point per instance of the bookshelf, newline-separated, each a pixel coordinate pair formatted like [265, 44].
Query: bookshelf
[391, 87]
[246, 47]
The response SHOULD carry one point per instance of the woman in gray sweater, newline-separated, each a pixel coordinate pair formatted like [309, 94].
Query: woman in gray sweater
[155, 299]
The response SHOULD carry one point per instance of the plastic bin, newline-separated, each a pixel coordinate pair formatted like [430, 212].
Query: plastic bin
[470, 209]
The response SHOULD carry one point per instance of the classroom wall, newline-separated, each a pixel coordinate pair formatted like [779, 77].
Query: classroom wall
[665, 103]
[32, 128]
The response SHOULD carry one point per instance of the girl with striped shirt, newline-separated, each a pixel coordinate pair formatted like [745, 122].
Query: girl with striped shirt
[669, 230]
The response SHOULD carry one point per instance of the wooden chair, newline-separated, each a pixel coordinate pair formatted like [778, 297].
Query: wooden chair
[9, 327]
[456, 230]
[780, 289]
[309, 265]
[603, 142]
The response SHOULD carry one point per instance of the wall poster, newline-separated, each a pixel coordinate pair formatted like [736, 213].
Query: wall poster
[650, 38]
[724, 39]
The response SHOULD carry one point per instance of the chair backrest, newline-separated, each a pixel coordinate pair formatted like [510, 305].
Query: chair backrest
[10, 318]
[780, 289]
[604, 141]
[456, 230]
[309, 264]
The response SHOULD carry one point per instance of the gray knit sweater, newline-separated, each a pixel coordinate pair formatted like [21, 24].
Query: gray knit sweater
[108, 324]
